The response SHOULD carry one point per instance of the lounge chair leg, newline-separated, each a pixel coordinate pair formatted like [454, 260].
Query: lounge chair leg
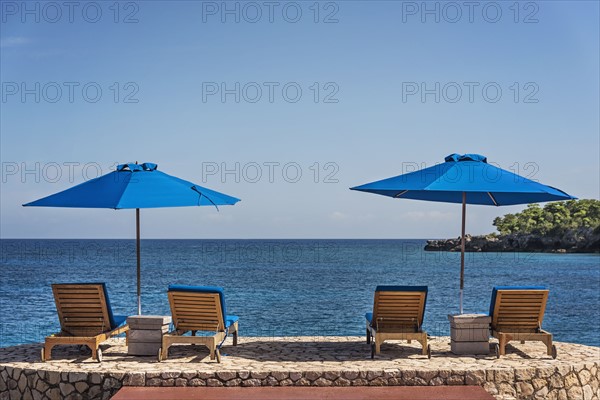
[368, 336]
[235, 333]
[377, 346]
[423, 342]
[165, 351]
[503, 339]
[548, 342]
[126, 338]
[212, 346]
[409, 341]
[48, 351]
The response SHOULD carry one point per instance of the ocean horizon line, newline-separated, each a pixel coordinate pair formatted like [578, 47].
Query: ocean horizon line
[158, 238]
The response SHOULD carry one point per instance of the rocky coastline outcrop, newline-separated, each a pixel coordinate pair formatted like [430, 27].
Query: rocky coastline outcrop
[583, 240]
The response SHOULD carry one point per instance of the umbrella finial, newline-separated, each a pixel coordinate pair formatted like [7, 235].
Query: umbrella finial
[454, 157]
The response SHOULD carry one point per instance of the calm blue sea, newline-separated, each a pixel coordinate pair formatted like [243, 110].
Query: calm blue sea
[289, 287]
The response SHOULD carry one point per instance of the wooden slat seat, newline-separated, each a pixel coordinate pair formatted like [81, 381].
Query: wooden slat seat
[397, 315]
[199, 309]
[517, 314]
[85, 318]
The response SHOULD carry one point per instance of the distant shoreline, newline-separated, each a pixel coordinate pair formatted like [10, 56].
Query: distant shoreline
[580, 241]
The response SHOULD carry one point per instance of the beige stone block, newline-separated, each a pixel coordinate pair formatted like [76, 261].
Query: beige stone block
[575, 393]
[571, 380]
[557, 381]
[467, 334]
[259, 375]
[341, 382]
[525, 389]
[469, 347]
[96, 379]
[437, 381]
[143, 349]
[322, 382]
[279, 375]
[539, 383]
[54, 394]
[145, 335]
[349, 374]
[22, 382]
[312, 375]
[302, 382]
[427, 375]
[542, 393]
[148, 321]
[524, 374]
[66, 388]
[243, 374]
[455, 380]
[214, 382]
[562, 394]
[135, 379]
[196, 382]
[506, 389]
[588, 393]
[478, 320]
[251, 382]
[81, 387]
[585, 376]
[476, 378]
[226, 375]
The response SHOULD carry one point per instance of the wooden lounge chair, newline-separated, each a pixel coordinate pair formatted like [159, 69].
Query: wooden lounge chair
[199, 309]
[85, 316]
[397, 315]
[517, 313]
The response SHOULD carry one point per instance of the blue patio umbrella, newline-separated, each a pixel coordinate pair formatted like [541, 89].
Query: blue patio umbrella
[466, 179]
[135, 186]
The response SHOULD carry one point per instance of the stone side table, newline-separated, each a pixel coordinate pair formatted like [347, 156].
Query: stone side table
[145, 334]
[469, 333]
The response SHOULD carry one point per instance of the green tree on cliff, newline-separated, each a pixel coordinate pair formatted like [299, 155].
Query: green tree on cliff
[553, 218]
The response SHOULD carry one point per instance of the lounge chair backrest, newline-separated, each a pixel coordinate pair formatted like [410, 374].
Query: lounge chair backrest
[397, 306]
[197, 308]
[518, 308]
[83, 308]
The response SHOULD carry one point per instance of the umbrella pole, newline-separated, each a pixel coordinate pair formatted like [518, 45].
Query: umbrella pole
[462, 251]
[139, 269]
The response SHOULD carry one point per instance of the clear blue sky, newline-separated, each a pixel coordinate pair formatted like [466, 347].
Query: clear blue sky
[178, 53]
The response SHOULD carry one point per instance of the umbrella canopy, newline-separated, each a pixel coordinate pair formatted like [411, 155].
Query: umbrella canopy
[466, 179]
[135, 186]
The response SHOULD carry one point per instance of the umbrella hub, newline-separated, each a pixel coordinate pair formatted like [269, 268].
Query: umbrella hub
[465, 157]
[137, 167]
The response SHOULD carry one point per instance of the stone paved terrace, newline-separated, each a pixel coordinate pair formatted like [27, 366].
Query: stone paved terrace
[526, 372]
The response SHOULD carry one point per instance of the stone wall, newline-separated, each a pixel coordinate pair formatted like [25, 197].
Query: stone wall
[580, 382]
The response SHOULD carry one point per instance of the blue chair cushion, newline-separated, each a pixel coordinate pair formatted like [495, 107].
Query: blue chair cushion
[203, 289]
[230, 320]
[392, 288]
[111, 316]
[496, 288]
[119, 320]
[369, 316]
